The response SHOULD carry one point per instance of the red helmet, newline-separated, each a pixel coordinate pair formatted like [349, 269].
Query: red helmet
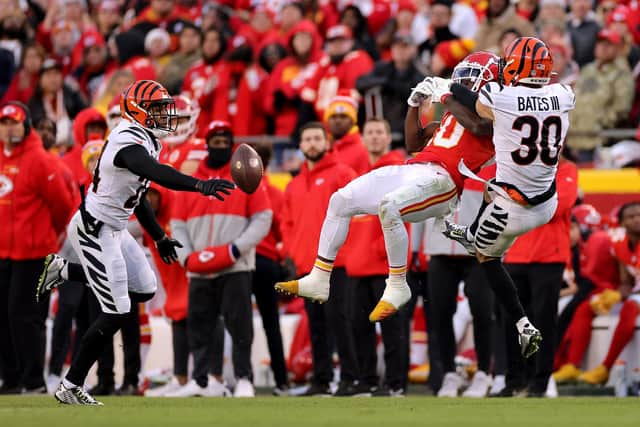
[188, 112]
[114, 115]
[148, 103]
[479, 67]
[527, 60]
[218, 127]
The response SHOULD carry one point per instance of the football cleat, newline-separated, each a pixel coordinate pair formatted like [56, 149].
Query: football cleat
[394, 297]
[50, 277]
[307, 287]
[74, 396]
[479, 386]
[459, 233]
[530, 340]
[451, 384]
[567, 373]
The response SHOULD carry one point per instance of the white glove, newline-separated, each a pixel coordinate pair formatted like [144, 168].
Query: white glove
[419, 93]
[440, 87]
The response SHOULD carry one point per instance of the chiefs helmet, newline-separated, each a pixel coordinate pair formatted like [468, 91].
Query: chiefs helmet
[479, 67]
[219, 127]
[527, 60]
[148, 103]
[587, 217]
[188, 112]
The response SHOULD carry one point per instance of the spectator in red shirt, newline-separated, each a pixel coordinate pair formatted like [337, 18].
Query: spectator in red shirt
[283, 95]
[337, 72]
[35, 206]
[341, 119]
[219, 265]
[306, 200]
[26, 78]
[368, 275]
[91, 63]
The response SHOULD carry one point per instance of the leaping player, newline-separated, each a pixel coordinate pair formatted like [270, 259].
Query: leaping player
[112, 263]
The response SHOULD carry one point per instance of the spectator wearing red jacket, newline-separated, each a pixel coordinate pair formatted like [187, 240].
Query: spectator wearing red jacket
[89, 124]
[268, 272]
[207, 79]
[368, 275]
[341, 118]
[283, 95]
[614, 279]
[219, 264]
[337, 72]
[536, 263]
[306, 201]
[35, 206]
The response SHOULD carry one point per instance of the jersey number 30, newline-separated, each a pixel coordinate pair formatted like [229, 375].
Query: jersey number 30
[538, 140]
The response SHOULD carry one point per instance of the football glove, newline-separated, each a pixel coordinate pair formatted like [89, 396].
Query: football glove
[440, 89]
[213, 187]
[167, 249]
[419, 93]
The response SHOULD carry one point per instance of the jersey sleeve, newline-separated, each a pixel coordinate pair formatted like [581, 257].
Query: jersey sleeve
[488, 94]
[130, 135]
[568, 97]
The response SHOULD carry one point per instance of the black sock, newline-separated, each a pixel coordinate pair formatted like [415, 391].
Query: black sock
[474, 226]
[92, 345]
[75, 273]
[504, 288]
[139, 297]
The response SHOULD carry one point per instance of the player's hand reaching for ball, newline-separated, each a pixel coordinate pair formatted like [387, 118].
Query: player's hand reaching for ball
[421, 92]
[215, 187]
[440, 89]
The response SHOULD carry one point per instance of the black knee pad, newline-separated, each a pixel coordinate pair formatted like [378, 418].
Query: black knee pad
[140, 297]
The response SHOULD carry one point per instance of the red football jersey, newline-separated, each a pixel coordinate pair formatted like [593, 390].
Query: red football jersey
[192, 150]
[452, 142]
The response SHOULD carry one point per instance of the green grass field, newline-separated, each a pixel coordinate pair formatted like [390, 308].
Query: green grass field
[334, 412]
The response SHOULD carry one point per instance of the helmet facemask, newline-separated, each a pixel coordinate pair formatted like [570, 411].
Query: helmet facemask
[479, 74]
[162, 118]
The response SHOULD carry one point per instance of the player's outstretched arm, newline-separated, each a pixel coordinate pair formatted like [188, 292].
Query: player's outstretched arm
[469, 99]
[468, 119]
[136, 159]
[416, 136]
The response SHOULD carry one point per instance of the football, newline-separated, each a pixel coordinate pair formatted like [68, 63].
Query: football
[246, 168]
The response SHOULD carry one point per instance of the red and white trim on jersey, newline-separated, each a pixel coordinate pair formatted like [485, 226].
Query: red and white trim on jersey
[428, 202]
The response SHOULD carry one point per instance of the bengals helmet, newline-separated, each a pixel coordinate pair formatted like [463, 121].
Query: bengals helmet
[188, 112]
[479, 67]
[148, 103]
[527, 60]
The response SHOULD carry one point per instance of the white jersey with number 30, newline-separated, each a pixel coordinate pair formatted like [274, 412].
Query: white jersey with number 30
[529, 130]
[115, 191]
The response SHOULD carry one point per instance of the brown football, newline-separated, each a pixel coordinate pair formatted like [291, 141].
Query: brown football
[246, 168]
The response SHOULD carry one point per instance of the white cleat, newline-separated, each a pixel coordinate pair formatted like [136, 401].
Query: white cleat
[308, 287]
[50, 277]
[74, 396]
[499, 383]
[394, 297]
[450, 385]
[190, 389]
[217, 389]
[244, 388]
[479, 387]
[162, 391]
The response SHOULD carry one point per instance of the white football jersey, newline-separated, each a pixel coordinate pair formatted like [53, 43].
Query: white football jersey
[115, 191]
[529, 131]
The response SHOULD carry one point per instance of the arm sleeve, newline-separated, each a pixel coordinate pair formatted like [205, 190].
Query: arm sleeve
[147, 220]
[464, 96]
[137, 160]
[256, 230]
[55, 194]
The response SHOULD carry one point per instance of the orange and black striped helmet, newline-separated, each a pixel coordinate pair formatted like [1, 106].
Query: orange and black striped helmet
[527, 60]
[149, 104]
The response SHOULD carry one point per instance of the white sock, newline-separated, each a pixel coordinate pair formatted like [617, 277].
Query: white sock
[321, 271]
[64, 273]
[68, 384]
[396, 241]
[523, 323]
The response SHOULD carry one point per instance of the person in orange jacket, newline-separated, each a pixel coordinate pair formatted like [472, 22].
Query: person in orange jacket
[536, 263]
[35, 207]
[368, 274]
[306, 201]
